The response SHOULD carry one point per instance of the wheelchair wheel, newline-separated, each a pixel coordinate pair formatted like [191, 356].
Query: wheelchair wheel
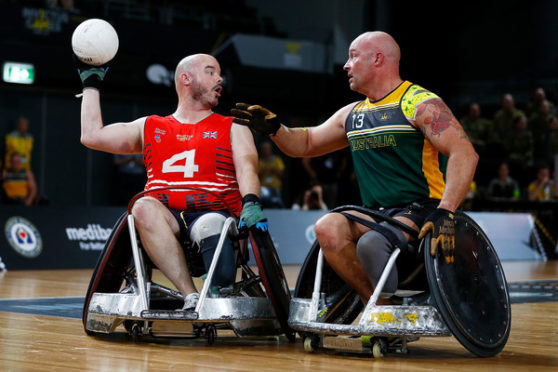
[273, 277]
[471, 293]
[343, 303]
[111, 267]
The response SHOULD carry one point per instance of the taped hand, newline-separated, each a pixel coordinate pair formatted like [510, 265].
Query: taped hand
[442, 225]
[257, 118]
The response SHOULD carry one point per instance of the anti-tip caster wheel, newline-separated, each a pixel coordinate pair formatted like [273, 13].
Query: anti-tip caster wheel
[379, 347]
[310, 343]
[135, 332]
[211, 334]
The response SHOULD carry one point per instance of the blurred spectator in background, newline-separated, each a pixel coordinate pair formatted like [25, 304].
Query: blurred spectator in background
[503, 187]
[542, 188]
[130, 177]
[67, 5]
[539, 124]
[467, 203]
[520, 147]
[312, 199]
[326, 170]
[18, 183]
[270, 171]
[2, 192]
[503, 123]
[476, 126]
[21, 142]
[552, 142]
[539, 96]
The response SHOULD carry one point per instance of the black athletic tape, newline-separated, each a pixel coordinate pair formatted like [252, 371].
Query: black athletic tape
[250, 198]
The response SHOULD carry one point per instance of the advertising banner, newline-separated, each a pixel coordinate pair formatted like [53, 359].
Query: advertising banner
[73, 237]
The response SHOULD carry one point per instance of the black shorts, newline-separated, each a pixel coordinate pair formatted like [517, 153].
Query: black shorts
[416, 211]
[187, 219]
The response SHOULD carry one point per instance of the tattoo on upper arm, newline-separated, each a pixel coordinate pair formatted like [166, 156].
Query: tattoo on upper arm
[436, 115]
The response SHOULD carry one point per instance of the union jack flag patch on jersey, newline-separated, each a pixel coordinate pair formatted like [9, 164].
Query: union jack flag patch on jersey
[210, 134]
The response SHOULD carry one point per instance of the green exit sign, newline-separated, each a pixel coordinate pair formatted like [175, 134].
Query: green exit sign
[18, 73]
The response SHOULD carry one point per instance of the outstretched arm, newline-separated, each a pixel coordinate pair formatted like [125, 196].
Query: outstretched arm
[118, 138]
[296, 142]
[445, 133]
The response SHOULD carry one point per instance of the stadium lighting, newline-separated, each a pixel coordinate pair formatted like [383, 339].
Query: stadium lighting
[18, 73]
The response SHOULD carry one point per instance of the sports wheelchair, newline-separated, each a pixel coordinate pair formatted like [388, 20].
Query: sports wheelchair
[468, 298]
[122, 292]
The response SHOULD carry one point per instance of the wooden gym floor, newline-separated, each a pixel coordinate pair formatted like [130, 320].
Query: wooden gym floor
[30, 342]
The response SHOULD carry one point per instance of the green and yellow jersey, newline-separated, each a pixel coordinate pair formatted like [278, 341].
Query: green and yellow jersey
[394, 163]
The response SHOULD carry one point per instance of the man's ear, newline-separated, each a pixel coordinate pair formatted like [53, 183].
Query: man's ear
[378, 59]
[186, 79]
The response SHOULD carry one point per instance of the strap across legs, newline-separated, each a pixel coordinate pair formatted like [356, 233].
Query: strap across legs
[390, 235]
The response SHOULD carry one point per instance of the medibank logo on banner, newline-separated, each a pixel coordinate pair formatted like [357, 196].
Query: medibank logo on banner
[91, 238]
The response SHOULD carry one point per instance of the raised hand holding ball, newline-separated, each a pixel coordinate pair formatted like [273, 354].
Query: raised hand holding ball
[95, 42]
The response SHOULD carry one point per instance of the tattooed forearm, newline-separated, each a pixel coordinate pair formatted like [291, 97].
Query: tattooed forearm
[437, 117]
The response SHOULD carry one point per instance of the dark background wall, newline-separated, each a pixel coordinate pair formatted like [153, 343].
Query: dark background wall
[462, 51]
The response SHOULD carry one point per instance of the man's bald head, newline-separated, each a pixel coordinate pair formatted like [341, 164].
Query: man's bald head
[189, 64]
[379, 42]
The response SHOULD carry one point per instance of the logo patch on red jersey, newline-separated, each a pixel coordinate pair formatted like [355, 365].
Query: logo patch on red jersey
[184, 137]
[160, 131]
[158, 138]
[210, 134]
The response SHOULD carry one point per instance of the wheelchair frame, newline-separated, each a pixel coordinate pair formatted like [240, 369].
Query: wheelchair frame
[104, 312]
[389, 328]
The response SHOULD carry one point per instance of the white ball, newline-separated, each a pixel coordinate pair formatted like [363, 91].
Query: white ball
[95, 42]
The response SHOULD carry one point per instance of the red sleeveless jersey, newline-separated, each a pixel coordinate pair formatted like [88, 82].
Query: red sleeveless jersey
[192, 155]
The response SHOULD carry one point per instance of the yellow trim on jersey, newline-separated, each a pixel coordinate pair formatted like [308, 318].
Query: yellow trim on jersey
[412, 98]
[385, 128]
[390, 101]
[431, 170]
[366, 106]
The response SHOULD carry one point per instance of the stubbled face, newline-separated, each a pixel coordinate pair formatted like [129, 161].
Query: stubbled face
[359, 65]
[207, 82]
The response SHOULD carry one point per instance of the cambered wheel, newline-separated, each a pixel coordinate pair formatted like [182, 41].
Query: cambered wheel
[273, 277]
[471, 293]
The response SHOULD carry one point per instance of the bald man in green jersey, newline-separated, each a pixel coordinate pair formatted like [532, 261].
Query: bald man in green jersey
[412, 159]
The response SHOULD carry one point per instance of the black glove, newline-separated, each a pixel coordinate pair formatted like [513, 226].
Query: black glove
[257, 118]
[91, 76]
[442, 225]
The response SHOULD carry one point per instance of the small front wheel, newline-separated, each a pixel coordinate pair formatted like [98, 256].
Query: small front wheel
[379, 348]
[308, 344]
[135, 332]
[211, 334]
